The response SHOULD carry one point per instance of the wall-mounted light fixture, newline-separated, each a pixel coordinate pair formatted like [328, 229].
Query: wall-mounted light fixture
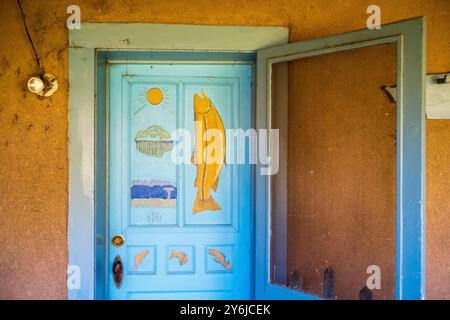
[43, 85]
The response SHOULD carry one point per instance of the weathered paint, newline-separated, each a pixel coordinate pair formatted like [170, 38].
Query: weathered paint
[160, 37]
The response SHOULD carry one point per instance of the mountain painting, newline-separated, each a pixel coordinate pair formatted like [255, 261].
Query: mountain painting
[153, 194]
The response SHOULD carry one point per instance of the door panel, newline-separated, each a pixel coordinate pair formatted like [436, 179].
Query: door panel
[169, 251]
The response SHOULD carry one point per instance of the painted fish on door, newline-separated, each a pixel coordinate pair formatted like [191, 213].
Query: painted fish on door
[138, 258]
[209, 152]
[220, 258]
[181, 256]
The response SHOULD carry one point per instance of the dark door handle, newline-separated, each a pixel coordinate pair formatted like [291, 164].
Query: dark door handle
[117, 270]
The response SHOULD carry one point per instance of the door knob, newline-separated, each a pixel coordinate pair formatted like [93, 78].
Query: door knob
[117, 270]
[118, 240]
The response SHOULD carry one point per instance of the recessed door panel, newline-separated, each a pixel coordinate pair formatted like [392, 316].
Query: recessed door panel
[152, 114]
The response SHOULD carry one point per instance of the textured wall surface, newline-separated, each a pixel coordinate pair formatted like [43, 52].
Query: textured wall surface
[33, 132]
[342, 165]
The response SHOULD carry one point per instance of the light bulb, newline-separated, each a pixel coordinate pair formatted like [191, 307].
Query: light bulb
[35, 85]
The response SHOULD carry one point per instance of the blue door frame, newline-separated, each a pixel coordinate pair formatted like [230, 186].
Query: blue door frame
[409, 36]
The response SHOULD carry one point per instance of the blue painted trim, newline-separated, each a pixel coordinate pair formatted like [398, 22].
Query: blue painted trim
[261, 185]
[81, 220]
[101, 172]
[409, 36]
[411, 162]
[278, 292]
[176, 37]
[187, 56]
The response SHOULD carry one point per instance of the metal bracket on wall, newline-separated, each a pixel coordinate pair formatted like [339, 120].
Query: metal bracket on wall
[391, 92]
[437, 95]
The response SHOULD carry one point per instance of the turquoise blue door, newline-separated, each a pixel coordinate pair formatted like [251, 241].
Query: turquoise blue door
[180, 228]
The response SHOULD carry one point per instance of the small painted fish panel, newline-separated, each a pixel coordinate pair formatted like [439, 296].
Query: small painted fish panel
[181, 256]
[181, 259]
[141, 259]
[220, 258]
[138, 259]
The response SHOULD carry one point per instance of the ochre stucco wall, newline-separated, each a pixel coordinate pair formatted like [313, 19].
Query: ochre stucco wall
[341, 164]
[33, 132]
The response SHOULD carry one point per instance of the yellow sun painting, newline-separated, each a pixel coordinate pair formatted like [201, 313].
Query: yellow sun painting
[154, 97]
